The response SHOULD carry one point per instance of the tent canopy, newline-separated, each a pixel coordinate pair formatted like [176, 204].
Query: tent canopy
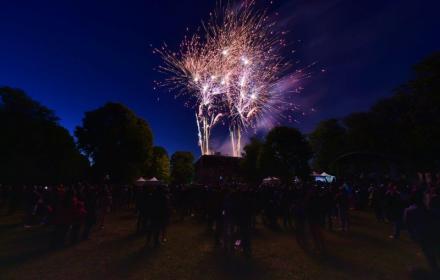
[270, 179]
[323, 177]
[141, 179]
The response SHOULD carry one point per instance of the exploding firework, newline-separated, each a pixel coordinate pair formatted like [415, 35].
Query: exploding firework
[235, 72]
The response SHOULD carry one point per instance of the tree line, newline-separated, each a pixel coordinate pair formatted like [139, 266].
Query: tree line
[400, 133]
[112, 143]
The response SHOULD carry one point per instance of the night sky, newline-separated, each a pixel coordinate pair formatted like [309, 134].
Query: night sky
[73, 56]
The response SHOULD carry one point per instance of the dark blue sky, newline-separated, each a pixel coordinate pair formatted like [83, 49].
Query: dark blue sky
[73, 56]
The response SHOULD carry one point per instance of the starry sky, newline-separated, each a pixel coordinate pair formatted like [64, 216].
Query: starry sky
[75, 55]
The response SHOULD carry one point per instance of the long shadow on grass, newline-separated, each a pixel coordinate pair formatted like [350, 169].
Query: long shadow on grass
[131, 263]
[219, 265]
[31, 245]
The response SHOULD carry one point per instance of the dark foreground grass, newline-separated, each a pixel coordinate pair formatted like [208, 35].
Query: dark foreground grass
[116, 253]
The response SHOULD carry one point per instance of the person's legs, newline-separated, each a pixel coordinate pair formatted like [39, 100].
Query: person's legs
[430, 254]
[139, 223]
[218, 231]
[75, 233]
[317, 238]
[397, 228]
[156, 233]
[329, 220]
[86, 230]
[246, 239]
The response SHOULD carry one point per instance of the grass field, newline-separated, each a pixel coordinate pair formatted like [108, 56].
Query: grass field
[116, 253]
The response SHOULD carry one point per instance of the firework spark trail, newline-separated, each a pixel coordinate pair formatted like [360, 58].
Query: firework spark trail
[235, 72]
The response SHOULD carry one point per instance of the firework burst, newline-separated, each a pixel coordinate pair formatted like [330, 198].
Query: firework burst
[235, 72]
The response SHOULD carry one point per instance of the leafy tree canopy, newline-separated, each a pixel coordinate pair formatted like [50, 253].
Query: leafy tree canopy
[118, 142]
[250, 164]
[328, 141]
[182, 168]
[285, 154]
[160, 166]
[34, 148]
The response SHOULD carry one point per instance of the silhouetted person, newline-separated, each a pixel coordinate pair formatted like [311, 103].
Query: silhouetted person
[90, 204]
[299, 216]
[62, 216]
[78, 217]
[157, 215]
[343, 204]
[104, 205]
[423, 228]
[314, 210]
[378, 203]
[244, 219]
[30, 201]
[395, 209]
[14, 197]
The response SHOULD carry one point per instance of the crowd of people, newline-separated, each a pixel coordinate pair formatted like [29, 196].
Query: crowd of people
[231, 213]
[71, 210]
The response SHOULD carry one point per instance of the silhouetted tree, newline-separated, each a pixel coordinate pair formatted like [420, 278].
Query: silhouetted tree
[34, 148]
[182, 168]
[250, 164]
[328, 142]
[404, 127]
[421, 109]
[286, 153]
[118, 142]
[160, 166]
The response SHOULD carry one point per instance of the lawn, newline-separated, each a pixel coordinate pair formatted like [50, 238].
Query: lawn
[116, 253]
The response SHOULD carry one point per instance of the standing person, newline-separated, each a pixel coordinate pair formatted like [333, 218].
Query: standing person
[166, 208]
[14, 196]
[90, 204]
[286, 207]
[4, 193]
[329, 205]
[141, 208]
[314, 212]
[244, 220]
[395, 209]
[423, 228]
[157, 215]
[62, 216]
[299, 217]
[378, 202]
[30, 202]
[343, 205]
[104, 205]
[228, 220]
[78, 216]
[148, 217]
[217, 206]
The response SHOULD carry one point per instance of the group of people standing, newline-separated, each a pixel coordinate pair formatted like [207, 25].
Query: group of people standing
[231, 213]
[71, 210]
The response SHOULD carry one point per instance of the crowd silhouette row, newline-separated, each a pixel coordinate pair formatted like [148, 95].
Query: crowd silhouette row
[231, 213]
